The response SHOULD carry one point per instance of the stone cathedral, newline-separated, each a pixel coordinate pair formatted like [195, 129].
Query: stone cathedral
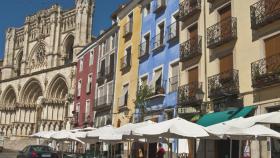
[38, 69]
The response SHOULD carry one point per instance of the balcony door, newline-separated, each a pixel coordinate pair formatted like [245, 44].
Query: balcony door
[193, 34]
[225, 22]
[193, 81]
[226, 67]
[272, 47]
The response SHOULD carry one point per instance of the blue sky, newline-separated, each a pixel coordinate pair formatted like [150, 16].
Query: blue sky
[13, 12]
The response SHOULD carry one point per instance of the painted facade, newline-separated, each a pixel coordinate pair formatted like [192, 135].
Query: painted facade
[103, 107]
[85, 86]
[129, 22]
[159, 58]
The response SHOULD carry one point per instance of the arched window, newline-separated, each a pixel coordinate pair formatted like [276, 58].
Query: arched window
[18, 63]
[69, 49]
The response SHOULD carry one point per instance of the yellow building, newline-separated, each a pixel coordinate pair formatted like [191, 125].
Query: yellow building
[129, 21]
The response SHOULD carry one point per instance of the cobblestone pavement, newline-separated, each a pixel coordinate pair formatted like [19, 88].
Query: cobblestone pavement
[8, 154]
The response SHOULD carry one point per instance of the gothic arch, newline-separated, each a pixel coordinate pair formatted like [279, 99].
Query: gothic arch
[58, 88]
[68, 49]
[9, 97]
[31, 92]
[37, 57]
[18, 62]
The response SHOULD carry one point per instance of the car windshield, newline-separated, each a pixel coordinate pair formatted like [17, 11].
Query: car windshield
[41, 148]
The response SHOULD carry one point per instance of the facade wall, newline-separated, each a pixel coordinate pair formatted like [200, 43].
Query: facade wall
[83, 116]
[131, 76]
[162, 58]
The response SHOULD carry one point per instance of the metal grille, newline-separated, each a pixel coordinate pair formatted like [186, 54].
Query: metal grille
[190, 48]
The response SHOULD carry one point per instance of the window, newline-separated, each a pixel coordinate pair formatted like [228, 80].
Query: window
[91, 56]
[113, 41]
[144, 80]
[112, 63]
[110, 89]
[78, 107]
[89, 83]
[173, 80]
[81, 65]
[157, 79]
[147, 9]
[147, 41]
[87, 110]
[124, 98]
[79, 88]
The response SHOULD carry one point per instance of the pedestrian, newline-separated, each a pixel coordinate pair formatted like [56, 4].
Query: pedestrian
[161, 151]
[140, 153]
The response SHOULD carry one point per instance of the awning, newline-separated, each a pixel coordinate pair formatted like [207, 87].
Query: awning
[218, 117]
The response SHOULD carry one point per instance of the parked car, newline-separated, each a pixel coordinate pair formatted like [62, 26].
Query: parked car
[1, 141]
[37, 151]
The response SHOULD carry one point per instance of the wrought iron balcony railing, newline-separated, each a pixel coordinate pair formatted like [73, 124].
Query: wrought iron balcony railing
[158, 42]
[126, 62]
[173, 83]
[106, 100]
[144, 49]
[189, 8]
[224, 84]
[264, 12]
[128, 28]
[159, 5]
[173, 31]
[191, 48]
[158, 89]
[222, 32]
[109, 72]
[218, 1]
[187, 94]
[266, 72]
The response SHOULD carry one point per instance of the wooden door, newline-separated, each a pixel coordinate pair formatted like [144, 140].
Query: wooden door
[226, 67]
[193, 81]
[272, 47]
[225, 23]
[193, 32]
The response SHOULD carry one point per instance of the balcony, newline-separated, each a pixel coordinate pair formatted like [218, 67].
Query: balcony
[109, 72]
[104, 102]
[218, 1]
[123, 103]
[223, 85]
[222, 32]
[266, 72]
[128, 28]
[264, 12]
[158, 42]
[187, 94]
[159, 5]
[158, 89]
[100, 76]
[126, 62]
[189, 8]
[144, 49]
[190, 49]
[173, 31]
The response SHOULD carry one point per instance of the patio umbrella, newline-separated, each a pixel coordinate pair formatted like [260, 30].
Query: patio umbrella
[95, 134]
[174, 128]
[43, 134]
[65, 135]
[271, 118]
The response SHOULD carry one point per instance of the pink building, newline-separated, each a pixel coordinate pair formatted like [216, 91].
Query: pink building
[85, 86]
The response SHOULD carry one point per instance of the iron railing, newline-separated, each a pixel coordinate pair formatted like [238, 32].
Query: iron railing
[126, 61]
[158, 88]
[173, 31]
[158, 41]
[189, 8]
[264, 12]
[159, 5]
[144, 49]
[222, 32]
[104, 100]
[224, 84]
[173, 83]
[266, 71]
[128, 28]
[191, 48]
[187, 94]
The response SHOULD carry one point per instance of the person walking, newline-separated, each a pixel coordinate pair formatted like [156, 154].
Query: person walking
[161, 151]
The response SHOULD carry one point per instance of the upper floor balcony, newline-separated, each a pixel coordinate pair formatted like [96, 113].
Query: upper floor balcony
[128, 28]
[222, 32]
[109, 72]
[159, 5]
[190, 48]
[189, 94]
[104, 102]
[158, 89]
[173, 31]
[125, 62]
[188, 8]
[264, 12]
[144, 49]
[158, 42]
[266, 71]
[224, 84]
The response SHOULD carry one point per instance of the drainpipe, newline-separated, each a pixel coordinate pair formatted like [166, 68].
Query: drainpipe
[205, 63]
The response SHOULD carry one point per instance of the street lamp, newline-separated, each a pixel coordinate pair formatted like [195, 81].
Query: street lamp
[199, 95]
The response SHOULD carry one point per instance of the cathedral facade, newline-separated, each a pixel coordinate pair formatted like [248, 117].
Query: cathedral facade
[38, 70]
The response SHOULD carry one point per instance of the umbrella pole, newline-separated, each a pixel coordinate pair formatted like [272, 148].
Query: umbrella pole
[147, 148]
[230, 151]
[177, 148]
[128, 154]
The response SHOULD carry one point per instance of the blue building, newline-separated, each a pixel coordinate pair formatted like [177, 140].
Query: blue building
[159, 58]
